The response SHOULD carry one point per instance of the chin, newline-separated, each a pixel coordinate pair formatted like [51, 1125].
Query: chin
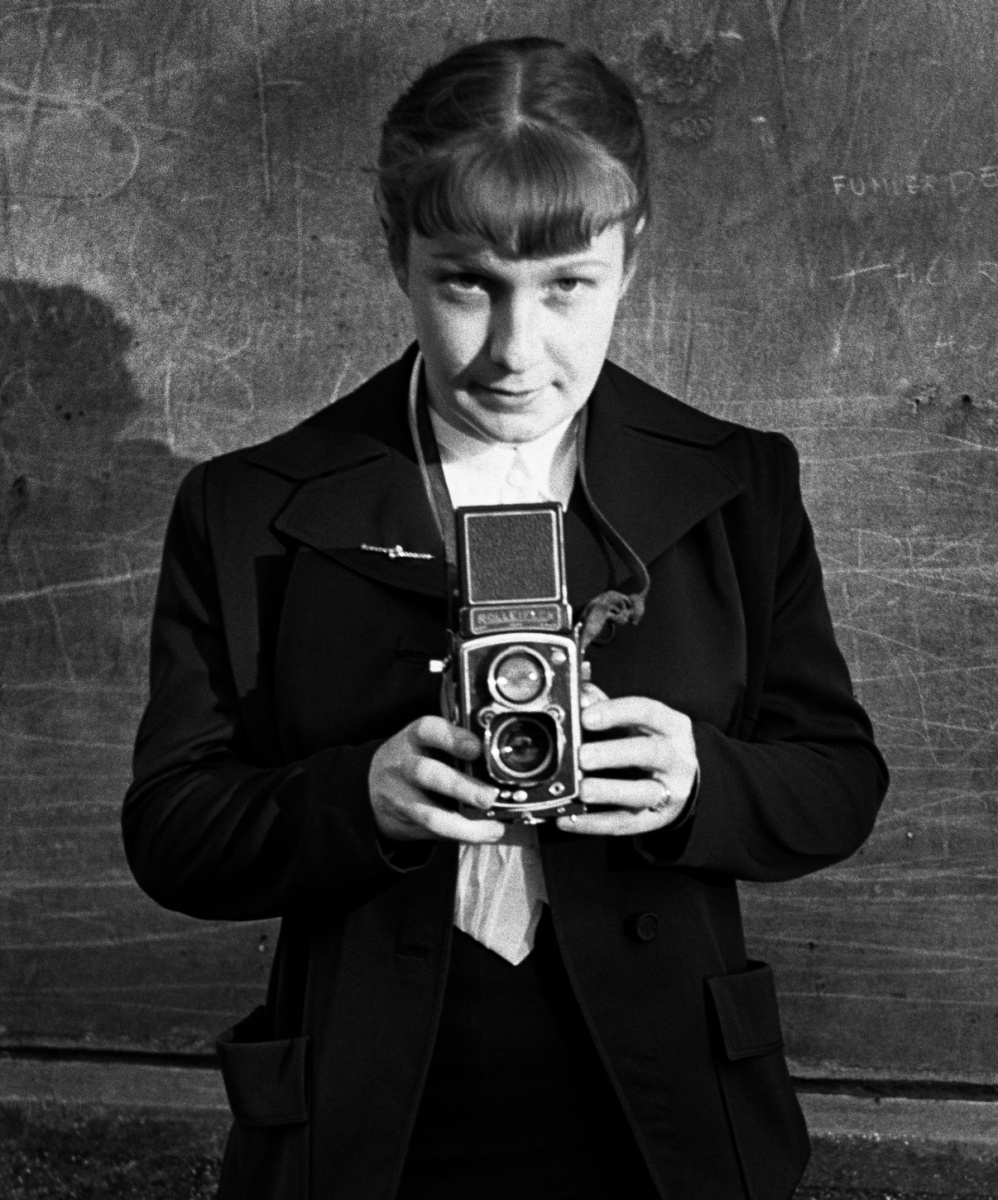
[516, 428]
[512, 425]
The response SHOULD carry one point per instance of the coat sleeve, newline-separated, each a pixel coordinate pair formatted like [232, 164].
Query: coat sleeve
[800, 786]
[208, 829]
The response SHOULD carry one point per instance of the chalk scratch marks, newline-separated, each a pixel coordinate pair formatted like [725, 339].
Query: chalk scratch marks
[299, 260]
[35, 94]
[860, 88]
[856, 271]
[776, 10]
[49, 591]
[263, 106]
[36, 100]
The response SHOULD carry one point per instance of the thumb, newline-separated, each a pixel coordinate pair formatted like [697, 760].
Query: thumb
[590, 694]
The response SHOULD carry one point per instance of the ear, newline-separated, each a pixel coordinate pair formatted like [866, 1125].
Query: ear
[631, 266]
[400, 268]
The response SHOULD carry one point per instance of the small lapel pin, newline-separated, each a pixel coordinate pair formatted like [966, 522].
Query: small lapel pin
[394, 551]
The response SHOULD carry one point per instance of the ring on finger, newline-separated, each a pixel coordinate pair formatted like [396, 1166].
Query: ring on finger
[666, 799]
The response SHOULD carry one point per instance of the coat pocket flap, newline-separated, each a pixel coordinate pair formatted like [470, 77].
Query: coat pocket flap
[265, 1079]
[747, 1011]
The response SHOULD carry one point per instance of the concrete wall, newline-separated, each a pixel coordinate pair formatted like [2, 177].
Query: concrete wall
[189, 261]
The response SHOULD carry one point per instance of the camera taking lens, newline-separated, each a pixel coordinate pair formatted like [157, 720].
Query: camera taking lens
[522, 747]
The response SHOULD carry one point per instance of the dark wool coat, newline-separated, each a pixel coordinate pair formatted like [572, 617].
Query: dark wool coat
[283, 655]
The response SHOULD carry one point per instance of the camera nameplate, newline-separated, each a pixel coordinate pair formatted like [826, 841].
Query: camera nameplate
[495, 618]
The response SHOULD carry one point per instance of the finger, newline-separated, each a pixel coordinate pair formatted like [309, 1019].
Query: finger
[639, 711]
[628, 793]
[434, 733]
[451, 826]
[432, 775]
[589, 693]
[614, 824]
[648, 753]
[399, 825]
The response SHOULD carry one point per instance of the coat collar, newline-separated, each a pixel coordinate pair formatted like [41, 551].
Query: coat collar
[652, 462]
[652, 465]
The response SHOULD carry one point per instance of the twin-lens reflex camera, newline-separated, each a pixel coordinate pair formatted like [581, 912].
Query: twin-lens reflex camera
[515, 663]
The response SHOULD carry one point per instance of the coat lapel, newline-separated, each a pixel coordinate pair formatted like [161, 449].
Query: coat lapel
[650, 459]
[354, 491]
[375, 519]
[652, 472]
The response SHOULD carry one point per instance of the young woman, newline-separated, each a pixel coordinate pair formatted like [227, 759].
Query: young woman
[458, 1008]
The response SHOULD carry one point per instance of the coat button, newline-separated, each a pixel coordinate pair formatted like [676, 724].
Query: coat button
[643, 927]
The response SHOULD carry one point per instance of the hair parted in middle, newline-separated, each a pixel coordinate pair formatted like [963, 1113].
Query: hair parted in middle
[527, 145]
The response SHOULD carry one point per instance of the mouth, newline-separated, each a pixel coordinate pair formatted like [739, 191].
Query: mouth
[513, 395]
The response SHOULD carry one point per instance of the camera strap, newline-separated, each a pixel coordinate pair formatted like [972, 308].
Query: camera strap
[611, 608]
[603, 612]
[432, 470]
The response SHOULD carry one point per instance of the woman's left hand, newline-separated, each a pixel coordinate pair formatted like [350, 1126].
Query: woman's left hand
[655, 739]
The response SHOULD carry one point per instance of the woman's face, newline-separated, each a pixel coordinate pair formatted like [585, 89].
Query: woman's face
[512, 346]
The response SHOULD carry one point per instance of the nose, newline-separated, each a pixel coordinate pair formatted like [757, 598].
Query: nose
[515, 335]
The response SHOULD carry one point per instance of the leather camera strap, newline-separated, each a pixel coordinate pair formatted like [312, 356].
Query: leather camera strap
[434, 483]
[611, 608]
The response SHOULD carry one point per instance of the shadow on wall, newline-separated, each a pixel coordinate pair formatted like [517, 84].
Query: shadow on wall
[62, 353]
[81, 511]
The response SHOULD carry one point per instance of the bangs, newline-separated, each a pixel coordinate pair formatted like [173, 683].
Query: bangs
[529, 192]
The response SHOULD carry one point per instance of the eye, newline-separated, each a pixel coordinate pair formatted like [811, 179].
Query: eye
[464, 282]
[568, 285]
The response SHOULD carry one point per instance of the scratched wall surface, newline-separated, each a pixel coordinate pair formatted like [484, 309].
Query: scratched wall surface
[189, 262]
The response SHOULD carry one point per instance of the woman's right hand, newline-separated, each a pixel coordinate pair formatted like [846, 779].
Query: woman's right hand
[407, 785]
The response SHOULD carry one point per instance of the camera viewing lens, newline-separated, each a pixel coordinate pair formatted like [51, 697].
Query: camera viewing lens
[519, 677]
[523, 746]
